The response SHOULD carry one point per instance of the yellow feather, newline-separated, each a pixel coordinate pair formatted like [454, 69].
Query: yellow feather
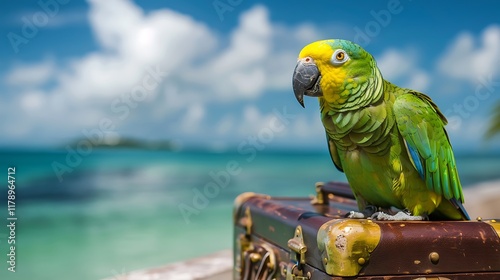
[332, 77]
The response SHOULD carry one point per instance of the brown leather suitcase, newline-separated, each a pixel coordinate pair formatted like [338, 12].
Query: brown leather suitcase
[309, 238]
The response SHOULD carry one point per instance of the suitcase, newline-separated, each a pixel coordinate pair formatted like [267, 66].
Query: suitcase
[309, 238]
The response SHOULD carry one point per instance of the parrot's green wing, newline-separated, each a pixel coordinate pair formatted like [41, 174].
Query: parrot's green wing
[334, 154]
[422, 126]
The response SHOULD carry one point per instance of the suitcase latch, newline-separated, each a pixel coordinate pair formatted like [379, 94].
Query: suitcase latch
[295, 268]
[297, 245]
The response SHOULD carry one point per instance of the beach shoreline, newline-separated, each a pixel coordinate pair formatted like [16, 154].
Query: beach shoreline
[483, 200]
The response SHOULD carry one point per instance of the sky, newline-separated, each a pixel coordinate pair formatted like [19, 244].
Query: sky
[217, 74]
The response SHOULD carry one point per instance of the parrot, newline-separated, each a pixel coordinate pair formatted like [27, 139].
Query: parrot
[390, 141]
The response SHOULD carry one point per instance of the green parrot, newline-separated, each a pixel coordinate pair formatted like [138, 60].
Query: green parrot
[389, 141]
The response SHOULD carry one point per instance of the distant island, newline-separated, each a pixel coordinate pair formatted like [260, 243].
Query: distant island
[129, 143]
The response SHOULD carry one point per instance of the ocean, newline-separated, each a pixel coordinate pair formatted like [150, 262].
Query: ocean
[107, 212]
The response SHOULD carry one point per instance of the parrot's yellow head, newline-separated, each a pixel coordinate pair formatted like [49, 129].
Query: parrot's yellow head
[332, 69]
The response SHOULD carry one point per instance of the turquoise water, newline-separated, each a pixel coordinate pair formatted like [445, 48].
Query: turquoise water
[119, 210]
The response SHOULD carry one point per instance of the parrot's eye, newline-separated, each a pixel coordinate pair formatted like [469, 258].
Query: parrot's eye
[339, 57]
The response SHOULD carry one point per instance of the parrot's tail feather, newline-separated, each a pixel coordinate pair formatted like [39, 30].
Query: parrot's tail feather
[460, 208]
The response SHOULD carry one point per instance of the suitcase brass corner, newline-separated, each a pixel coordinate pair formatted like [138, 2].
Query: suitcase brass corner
[346, 245]
[495, 225]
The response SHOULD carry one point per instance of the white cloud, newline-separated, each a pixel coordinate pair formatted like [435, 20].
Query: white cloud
[201, 71]
[225, 125]
[470, 58]
[32, 100]
[419, 80]
[394, 63]
[307, 127]
[468, 134]
[306, 33]
[239, 70]
[132, 42]
[303, 128]
[31, 75]
[401, 67]
[253, 120]
[193, 117]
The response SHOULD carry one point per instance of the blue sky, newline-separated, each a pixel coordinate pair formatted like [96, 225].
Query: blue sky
[217, 74]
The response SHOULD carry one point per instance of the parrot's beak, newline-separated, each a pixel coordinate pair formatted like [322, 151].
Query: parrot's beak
[306, 78]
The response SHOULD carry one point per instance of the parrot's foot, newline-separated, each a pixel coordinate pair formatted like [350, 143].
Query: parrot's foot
[355, 215]
[399, 216]
[369, 211]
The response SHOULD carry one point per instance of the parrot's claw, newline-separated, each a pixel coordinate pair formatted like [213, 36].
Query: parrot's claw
[399, 216]
[368, 212]
[355, 215]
